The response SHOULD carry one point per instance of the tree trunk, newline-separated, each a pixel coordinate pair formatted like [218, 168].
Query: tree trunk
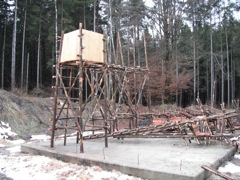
[194, 66]
[228, 72]
[62, 17]
[134, 63]
[27, 73]
[194, 54]
[222, 66]
[138, 46]
[160, 14]
[232, 75]
[207, 79]
[212, 68]
[180, 99]
[111, 30]
[94, 16]
[23, 46]
[162, 95]
[139, 61]
[38, 56]
[198, 74]
[84, 15]
[3, 51]
[177, 79]
[56, 33]
[13, 65]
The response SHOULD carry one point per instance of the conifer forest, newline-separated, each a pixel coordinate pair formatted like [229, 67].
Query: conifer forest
[193, 46]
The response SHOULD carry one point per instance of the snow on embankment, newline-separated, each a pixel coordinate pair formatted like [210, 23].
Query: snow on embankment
[5, 131]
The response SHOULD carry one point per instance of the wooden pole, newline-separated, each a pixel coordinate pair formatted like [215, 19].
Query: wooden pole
[105, 93]
[54, 120]
[134, 76]
[128, 53]
[67, 115]
[217, 172]
[81, 88]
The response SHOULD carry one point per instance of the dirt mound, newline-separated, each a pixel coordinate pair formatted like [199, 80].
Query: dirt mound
[26, 115]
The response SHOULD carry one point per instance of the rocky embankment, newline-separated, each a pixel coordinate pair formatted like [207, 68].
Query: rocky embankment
[25, 115]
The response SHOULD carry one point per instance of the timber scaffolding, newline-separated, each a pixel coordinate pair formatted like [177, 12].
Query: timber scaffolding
[82, 65]
[111, 108]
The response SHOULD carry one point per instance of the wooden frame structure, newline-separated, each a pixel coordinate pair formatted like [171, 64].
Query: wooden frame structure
[75, 64]
[97, 111]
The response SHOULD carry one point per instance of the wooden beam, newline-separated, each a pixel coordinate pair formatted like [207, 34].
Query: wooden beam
[217, 172]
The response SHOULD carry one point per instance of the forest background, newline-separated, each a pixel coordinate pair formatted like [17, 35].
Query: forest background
[193, 46]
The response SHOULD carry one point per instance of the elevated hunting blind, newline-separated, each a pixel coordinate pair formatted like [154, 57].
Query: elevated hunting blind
[92, 92]
[92, 46]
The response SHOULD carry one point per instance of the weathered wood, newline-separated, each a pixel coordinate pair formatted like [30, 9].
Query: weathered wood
[54, 120]
[80, 93]
[217, 172]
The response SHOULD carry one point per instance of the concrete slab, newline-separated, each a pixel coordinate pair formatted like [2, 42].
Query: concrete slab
[145, 158]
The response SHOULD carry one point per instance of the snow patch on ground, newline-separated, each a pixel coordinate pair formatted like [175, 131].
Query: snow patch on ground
[40, 167]
[237, 156]
[237, 138]
[1, 145]
[229, 167]
[14, 149]
[16, 142]
[5, 130]
[42, 137]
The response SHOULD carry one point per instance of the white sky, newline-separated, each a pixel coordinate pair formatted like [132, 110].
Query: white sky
[149, 3]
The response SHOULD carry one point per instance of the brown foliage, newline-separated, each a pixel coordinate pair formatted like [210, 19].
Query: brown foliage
[163, 81]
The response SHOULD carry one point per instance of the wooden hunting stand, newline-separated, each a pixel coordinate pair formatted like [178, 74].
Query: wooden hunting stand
[82, 59]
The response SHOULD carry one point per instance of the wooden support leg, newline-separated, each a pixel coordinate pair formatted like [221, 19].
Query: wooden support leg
[81, 143]
[77, 138]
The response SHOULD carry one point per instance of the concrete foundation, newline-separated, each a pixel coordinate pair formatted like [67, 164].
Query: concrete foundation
[146, 158]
